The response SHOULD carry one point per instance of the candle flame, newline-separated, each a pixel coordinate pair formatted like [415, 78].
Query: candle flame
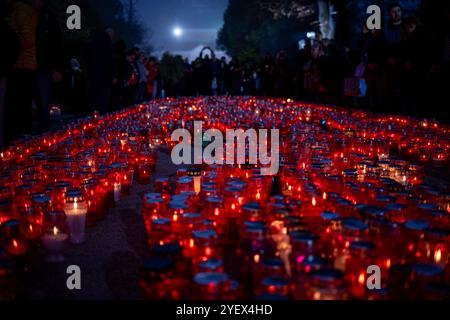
[216, 212]
[361, 278]
[324, 196]
[55, 231]
[258, 196]
[438, 256]
[314, 202]
[256, 258]
[388, 263]
[15, 244]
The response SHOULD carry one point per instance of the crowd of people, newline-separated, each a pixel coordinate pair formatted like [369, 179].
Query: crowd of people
[404, 67]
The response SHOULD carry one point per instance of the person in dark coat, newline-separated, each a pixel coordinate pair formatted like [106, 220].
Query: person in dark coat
[21, 79]
[101, 72]
[8, 57]
[50, 61]
[374, 56]
[416, 58]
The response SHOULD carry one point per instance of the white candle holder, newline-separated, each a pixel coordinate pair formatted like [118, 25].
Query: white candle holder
[54, 241]
[76, 210]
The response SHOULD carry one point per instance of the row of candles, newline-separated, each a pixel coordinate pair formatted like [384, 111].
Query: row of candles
[346, 176]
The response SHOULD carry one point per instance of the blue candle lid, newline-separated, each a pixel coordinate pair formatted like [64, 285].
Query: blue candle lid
[152, 195]
[417, 225]
[211, 264]
[327, 215]
[184, 180]
[395, 206]
[161, 221]
[215, 200]
[277, 281]
[385, 199]
[427, 206]
[303, 236]
[208, 222]
[41, 198]
[439, 213]
[177, 205]
[427, 270]
[255, 224]
[334, 195]
[204, 234]
[11, 224]
[252, 206]
[354, 224]
[314, 261]
[351, 172]
[192, 215]
[208, 278]
[375, 211]
[362, 245]
[327, 275]
[344, 202]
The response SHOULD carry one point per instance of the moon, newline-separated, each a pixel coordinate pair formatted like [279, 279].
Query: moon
[177, 32]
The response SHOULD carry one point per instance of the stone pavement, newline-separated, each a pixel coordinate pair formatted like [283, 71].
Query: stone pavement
[109, 259]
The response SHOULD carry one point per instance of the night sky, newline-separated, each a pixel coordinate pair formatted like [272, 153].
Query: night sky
[199, 19]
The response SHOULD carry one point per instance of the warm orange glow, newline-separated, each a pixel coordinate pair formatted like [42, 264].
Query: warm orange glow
[362, 278]
[256, 258]
[216, 212]
[314, 202]
[388, 263]
[438, 256]
[324, 196]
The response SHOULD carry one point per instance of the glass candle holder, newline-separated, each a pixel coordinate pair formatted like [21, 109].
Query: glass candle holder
[196, 175]
[211, 286]
[76, 210]
[159, 280]
[54, 236]
[327, 285]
